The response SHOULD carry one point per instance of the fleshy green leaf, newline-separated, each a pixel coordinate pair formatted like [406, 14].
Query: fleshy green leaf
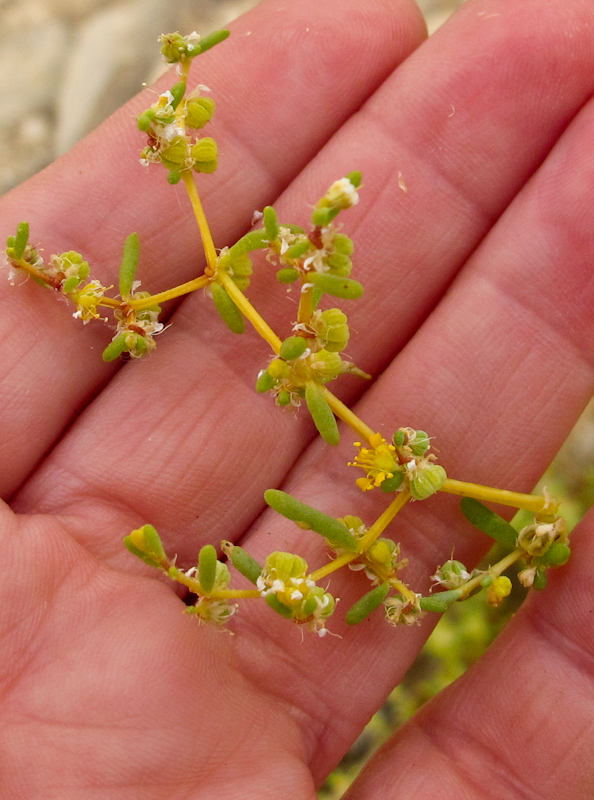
[227, 308]
[129, 264]
[346, 288]
[328, 527]
[439, 602]
[321, 413]
[207, 567]
[270, 223]
[21, 239]
[489, 522]
[245, 564]
[368, 603]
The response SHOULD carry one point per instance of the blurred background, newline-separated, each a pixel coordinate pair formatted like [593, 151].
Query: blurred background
[93, 55]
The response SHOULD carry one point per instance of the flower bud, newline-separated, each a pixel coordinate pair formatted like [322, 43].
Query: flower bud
[498, 590]
[292, 348]
[265, 381]
[420, 444]
[146, 544]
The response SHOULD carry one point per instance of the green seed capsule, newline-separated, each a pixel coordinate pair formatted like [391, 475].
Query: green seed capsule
[426, 481]
[292, 348]
[21, 239]
[227, 308]
[321, 413]
[488, 522]
[265, 382]
[346, 288]
[207, 568]
[438, 603]
[270, 223]
[129, 264]
[174, 177]
[245, 564]
[283, 398]
[287, 275]
[328, 527]
[368, 603]
[332, 330]
[174, 156]
[199, 111]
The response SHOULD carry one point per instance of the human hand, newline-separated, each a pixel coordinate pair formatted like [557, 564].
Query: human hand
[107, 689]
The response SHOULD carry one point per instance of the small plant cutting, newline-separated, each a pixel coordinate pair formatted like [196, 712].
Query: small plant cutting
[314, 264]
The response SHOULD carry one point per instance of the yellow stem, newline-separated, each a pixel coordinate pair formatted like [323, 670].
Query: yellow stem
[403, 589]
[346, 415]
[247, 309]
[489, 494]
[207, 242]
[169, 294]
[335, 564]
[496, 570]
[218, 594]
[372, 534]
[110, 302]
[382, 522]
[305, 309]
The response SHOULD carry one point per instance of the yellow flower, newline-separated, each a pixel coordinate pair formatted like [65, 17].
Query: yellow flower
[87, 300]
[379, 462]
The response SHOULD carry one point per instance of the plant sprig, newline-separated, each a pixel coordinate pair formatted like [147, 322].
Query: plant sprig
[317, 261]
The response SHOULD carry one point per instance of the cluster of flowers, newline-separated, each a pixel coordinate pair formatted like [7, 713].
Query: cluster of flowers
[167, 120]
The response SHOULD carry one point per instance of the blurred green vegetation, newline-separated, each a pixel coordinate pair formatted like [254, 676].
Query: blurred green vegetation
[467, 629]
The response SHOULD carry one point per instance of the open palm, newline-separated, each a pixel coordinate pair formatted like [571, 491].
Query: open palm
[474, 239]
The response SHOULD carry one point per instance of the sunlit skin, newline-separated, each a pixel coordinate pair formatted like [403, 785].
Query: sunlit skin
[108, 690]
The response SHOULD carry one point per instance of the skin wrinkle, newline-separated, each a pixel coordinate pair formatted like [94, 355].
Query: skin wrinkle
[568, 342]
[467, 776]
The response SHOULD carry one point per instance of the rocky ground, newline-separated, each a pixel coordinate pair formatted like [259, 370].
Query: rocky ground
[92, 56]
